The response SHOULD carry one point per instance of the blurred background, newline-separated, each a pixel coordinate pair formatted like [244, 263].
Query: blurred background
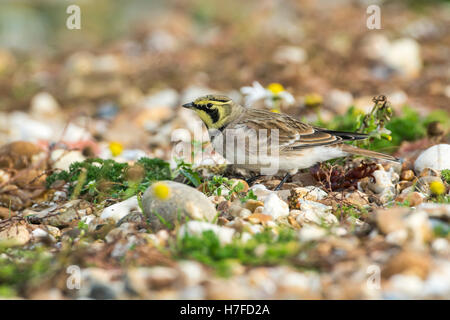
[147, 57]
[113, 89]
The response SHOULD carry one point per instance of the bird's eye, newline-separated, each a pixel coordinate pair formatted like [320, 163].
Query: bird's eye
[209, 105]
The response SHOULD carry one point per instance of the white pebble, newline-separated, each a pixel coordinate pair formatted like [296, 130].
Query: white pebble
[436, 157]
[196, 228]
[275, 207]
[119, 210]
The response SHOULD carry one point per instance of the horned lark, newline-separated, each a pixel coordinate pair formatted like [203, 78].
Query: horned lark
[298, 145]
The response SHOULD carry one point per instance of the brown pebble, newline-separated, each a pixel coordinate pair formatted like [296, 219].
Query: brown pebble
[6, 213]
[410, 263]
[429, 172]
[253, 204]
[413, 198]
[407, 175]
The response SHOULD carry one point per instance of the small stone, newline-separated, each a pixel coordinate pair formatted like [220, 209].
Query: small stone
[6, 213]
[357, 198]
[290, 55]
[253, 204]
[40, 234]
[441, 246]
[311, 233]
[391, 220]
[62, 159]
[315, 212]
[192, 272]
[383, 185]
[260, 191]
[419, 229]
[275, 207]
[413, 199]
[15, 234]
[436, 157]
[119, 210]
[62, 215]
[44, 104]
[181, 201]
[259, 218]
[306, 193]
[407, 175]
[18, 154]
[339, 101]
[408, 263]
[428, 172]
[196, 228]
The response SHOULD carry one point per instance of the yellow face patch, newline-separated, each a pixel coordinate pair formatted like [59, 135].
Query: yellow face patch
[213, 113]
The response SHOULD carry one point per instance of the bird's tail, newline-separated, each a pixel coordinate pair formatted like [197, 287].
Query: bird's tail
[368, 153]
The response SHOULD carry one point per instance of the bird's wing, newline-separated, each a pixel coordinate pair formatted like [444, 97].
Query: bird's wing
[292, 133]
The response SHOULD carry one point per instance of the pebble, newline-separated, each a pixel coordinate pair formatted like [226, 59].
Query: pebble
[436, 157]
[305, 193]
[163, 98]
[275, 207]
[62, 159]
[196, 228]
[407, 175]
[338, 100]
[6, 213]
[119, 210]
[19, 154]
[311, 233]
[441, 246]
[414, 198]
[383, 185]
[315, 212]
[60, 215]
[401, 55]
[176, 202]
[16, 234]
[410, 263]
[290, 55]
[192, 272]
[260, 191]
[44, 104]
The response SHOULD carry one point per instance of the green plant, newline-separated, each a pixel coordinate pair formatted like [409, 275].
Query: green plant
[446, 175]
[185, 169]
[386, 129]
[98, 179]
[264, 248]
[20, 268]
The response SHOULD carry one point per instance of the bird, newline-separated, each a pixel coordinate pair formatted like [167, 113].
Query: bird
[293, 144]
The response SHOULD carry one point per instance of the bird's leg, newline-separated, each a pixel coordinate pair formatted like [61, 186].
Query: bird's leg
[278, 187]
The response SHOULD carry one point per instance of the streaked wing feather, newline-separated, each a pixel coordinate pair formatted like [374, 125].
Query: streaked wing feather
[293, 134]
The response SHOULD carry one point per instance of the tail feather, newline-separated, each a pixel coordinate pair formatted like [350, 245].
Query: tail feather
[347, 136]
[368, 153]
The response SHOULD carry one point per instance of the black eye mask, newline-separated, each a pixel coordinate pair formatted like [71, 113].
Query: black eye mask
[213, 113]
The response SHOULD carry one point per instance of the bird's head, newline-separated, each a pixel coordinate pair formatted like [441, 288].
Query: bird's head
[216, 111]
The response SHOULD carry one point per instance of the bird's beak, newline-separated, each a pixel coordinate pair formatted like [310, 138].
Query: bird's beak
[189, 105]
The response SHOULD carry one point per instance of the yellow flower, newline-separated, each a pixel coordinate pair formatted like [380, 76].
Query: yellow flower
[161, 190]
[275, 110]
[437, 188]
[116, 148]
[313, 100]
[275, 88]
